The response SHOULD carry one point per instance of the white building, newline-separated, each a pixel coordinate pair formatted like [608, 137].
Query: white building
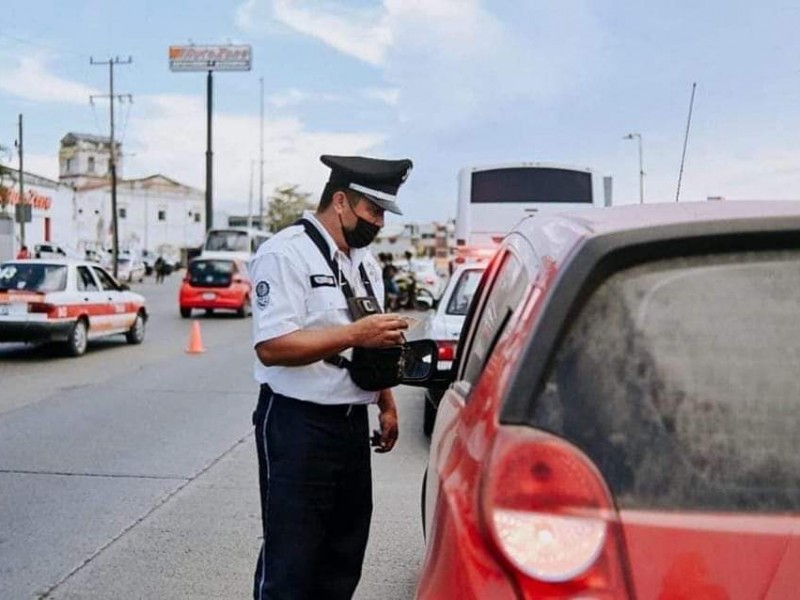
[153, 213]
[83, 159]
[52, 208]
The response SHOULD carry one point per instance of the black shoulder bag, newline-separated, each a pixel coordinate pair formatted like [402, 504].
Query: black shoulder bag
[371, 369]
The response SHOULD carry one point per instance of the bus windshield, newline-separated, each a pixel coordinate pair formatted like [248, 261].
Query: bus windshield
[227, 240]
[531, 185]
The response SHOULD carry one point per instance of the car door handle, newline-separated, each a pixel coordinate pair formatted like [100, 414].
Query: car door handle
[85, 299]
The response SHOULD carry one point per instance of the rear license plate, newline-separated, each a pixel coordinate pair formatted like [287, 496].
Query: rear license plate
[209, 296]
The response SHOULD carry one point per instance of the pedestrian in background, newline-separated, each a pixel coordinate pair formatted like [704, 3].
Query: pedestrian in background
[23, 253]
[159, 267]
[311, 422]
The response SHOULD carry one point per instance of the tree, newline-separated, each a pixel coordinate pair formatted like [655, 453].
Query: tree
[286, 205]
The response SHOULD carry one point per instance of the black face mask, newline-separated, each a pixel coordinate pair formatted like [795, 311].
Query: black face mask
[362, 234]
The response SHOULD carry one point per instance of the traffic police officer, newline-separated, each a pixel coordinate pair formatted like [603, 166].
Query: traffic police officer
[311, 423]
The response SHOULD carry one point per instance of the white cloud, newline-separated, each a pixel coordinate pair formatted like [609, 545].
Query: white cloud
[356, 32]
[167, 135]
[293, 97]
[30, 79]
[45, 165]
[447, 60]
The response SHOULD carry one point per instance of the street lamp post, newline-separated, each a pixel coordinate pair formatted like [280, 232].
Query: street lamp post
[638, 137]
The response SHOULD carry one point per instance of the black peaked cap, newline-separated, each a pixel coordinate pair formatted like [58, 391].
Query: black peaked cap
[375, 178]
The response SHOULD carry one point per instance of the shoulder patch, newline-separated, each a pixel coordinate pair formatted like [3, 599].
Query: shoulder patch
[262, 294]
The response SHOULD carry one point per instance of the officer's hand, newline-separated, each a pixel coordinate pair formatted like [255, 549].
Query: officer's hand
[389, 430]
[379, 331]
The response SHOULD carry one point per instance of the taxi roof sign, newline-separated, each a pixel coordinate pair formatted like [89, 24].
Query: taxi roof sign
[227, 57]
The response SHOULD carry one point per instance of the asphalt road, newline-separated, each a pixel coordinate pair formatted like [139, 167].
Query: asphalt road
[130, 472]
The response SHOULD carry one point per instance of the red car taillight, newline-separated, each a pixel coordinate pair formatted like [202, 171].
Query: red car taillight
[447, 349]
[41, 308]
[551, 517]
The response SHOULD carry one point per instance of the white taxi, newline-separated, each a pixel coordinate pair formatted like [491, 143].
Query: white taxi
[63, 300]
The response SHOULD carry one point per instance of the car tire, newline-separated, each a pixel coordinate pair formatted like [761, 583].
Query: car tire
[135, 334]
[186, 312]
[78, 338]
[245, 310]
[429, 418]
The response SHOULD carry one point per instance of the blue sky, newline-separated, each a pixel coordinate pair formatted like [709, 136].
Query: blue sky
[447, 83]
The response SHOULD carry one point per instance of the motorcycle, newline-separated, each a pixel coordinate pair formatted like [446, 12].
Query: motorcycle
[410, 295]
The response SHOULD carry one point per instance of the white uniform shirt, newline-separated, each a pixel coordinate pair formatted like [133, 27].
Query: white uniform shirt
[294, 289]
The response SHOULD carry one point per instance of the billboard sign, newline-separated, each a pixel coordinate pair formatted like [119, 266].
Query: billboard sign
[227, 57]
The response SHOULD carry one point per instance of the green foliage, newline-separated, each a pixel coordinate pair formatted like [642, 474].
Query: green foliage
[286, 205]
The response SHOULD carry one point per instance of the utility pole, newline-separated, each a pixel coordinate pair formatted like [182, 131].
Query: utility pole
[261, 150]
[638, 137]
[112, 161]
[209, 152]
[250, 198]
[685, 143]
[21, 204]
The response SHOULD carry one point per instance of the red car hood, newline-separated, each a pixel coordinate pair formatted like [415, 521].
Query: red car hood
[694, 556]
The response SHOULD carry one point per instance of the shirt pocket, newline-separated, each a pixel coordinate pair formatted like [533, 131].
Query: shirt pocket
[326, 299]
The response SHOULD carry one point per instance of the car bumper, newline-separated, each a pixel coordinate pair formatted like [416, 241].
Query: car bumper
[35, 331]
[225, 302]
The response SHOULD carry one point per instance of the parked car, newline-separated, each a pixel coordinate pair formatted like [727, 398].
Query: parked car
[70, 301]
[444, 327]
[623, 417]
[130, 269]
[50, 250]
[215, 284]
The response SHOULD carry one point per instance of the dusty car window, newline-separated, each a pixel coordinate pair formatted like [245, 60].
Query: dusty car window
[33, 277]
[680, 380]
[504, 296]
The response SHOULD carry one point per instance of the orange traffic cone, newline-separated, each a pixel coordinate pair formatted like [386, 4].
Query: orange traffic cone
[195, 340]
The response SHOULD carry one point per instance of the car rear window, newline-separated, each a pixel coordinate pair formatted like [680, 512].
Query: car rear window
[680, 380]
[462, 294]
[33, 277]
[211, 273]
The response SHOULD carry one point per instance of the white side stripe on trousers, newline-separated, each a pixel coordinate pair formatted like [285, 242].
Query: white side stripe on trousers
[266, 500]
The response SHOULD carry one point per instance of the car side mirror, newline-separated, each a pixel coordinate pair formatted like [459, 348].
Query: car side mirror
[124, 287]
[420, 361]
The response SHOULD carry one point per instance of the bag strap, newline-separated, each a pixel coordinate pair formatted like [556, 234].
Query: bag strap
[337, 360]
[324, 249]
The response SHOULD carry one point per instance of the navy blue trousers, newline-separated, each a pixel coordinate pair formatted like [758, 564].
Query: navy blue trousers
[315, 480]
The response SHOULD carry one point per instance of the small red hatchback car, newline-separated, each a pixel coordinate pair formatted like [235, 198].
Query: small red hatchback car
[215, 284]
[624, 412]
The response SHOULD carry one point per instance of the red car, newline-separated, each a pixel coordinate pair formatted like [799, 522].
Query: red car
[215, 284]
[623, 420]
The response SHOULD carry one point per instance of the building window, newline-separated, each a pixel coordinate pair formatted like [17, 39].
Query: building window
[70, 165]
[90, 168]
[196, 217]
[162, 215]
[123, 213]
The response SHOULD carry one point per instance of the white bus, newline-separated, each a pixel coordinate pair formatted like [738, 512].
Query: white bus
[492, 199]
[233, 242]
